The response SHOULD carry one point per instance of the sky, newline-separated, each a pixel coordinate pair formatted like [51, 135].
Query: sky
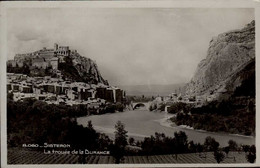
[131, 46]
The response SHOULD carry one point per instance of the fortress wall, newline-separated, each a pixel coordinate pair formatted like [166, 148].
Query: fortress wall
[43, 65]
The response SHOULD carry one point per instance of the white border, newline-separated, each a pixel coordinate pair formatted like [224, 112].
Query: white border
[121, 4]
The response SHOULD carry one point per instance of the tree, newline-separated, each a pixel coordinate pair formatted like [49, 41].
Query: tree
[211, 144]
[131, 141]
[232, 145]
[150, 108]
[251, 156]
[179, 107]
[104, 142]
[199, 148]
[161, 107]
[138, 143]
[251, 107]
[90, 126]
[226, 150]
[181, 142]
[25, 69]
[192, 147]
[117, 153]
[219, 156]
[118, 148]
[246, 148]
[39, 106]
[120, 135]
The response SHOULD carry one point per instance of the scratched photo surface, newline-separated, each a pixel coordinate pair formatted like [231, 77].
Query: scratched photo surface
[130, 86]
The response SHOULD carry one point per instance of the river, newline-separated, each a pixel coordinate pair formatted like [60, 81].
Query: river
[143, 123]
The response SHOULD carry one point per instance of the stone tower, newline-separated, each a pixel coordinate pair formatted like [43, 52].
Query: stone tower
[55, 46]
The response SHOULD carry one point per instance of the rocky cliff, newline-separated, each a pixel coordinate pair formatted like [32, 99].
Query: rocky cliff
[87, 69]
[228, 54]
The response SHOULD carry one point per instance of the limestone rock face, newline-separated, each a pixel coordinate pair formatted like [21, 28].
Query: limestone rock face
[87, 68]
[228, 53]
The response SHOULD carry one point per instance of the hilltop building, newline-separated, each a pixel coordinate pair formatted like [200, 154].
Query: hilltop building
[43, 58]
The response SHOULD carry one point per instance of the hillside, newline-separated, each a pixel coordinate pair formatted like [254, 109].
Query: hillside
[79, 68]
[228, 54]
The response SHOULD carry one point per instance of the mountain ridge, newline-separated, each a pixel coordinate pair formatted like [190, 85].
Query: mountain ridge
[228, 54]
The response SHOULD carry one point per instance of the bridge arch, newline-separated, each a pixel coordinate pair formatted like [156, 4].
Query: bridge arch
[145, 104]
[138, 105]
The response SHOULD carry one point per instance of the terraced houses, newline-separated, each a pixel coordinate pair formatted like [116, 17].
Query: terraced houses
[58, 91]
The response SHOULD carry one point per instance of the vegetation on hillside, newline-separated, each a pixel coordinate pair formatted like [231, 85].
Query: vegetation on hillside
[36, 122]
[20, 70]
[28, 69]
[235, 114]
[225, 116]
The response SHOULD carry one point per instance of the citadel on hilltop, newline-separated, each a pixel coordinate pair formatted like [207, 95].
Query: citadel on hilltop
[59, 61]
[43, 58]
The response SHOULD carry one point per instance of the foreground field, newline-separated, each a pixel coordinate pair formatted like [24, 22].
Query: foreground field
[36, 157]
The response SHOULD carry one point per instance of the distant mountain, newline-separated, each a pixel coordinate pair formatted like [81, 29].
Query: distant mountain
[229, 61]
[151, 90]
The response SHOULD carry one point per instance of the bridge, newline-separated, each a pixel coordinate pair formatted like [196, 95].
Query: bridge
[146, 105]
[137, 104]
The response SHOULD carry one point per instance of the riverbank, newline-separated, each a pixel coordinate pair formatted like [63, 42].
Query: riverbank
[144, 123]
[166, 122]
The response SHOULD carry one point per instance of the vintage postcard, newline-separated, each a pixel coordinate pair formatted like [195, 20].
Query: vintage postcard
[129, 84]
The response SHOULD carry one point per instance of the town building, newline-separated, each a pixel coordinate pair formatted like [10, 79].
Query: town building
[43, 58]
[57, 91]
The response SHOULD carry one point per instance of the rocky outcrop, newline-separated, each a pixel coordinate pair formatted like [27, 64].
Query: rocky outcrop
[87, 69]
[71, 67]
[228, 54]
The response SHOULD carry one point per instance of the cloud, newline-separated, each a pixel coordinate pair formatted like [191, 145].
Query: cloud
[25, 37]
[28, 35]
